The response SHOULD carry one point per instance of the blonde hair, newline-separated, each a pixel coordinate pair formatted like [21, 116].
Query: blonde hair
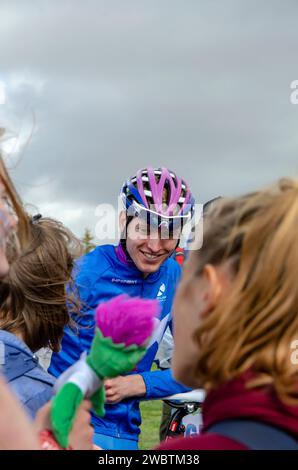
[256, 321]
[22, 232]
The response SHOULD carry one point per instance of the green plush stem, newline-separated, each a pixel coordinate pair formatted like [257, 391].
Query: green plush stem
[98, 402]
[107, 360]
[110, 360]
[63, 411]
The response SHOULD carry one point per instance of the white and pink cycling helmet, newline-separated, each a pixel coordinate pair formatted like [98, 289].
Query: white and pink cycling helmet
[160, 196]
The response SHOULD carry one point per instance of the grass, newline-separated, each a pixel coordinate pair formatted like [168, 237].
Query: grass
[151, 415]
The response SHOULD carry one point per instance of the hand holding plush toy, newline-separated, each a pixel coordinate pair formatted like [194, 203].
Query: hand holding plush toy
[123, 327]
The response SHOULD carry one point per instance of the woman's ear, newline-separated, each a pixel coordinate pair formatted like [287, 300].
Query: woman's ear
[214, 284]
[122, 221]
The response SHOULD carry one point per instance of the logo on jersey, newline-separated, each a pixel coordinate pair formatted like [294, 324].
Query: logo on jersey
[161, 293]
[159, 329]
[124, 281]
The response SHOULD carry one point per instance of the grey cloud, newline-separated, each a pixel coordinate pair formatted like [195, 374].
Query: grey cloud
[202, 87]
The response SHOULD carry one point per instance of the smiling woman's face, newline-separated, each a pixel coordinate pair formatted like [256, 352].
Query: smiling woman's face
[148, 252]
[8, 223]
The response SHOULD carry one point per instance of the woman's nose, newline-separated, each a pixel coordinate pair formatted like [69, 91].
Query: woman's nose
[154, 244]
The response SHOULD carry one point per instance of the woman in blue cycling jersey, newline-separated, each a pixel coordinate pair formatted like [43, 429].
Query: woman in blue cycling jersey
[157, 205]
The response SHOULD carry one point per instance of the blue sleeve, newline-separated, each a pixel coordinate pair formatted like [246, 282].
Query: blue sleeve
[160, 384]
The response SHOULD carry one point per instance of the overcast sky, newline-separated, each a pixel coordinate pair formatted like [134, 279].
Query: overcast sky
[100, 88]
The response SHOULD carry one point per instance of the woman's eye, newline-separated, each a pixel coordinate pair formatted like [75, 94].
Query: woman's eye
[141, 229]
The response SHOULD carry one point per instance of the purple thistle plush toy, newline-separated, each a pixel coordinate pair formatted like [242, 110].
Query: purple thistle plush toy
[123, 328]
[127, 320]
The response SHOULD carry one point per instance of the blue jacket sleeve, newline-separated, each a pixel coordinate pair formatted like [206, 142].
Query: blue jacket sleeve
[160, 384]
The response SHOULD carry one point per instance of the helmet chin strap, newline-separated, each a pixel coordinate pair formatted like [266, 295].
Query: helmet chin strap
[178, 241]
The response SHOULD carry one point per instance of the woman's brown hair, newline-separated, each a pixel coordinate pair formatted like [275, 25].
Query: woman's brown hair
[256, 322]
[35, 302]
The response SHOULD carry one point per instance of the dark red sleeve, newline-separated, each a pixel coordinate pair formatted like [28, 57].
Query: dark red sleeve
[202, 442]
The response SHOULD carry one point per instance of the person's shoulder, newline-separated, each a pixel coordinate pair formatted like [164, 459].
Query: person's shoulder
[33, 388]
[35, 392]
[95, 262]
[210, 441]
[42, 376]
[90, 269]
